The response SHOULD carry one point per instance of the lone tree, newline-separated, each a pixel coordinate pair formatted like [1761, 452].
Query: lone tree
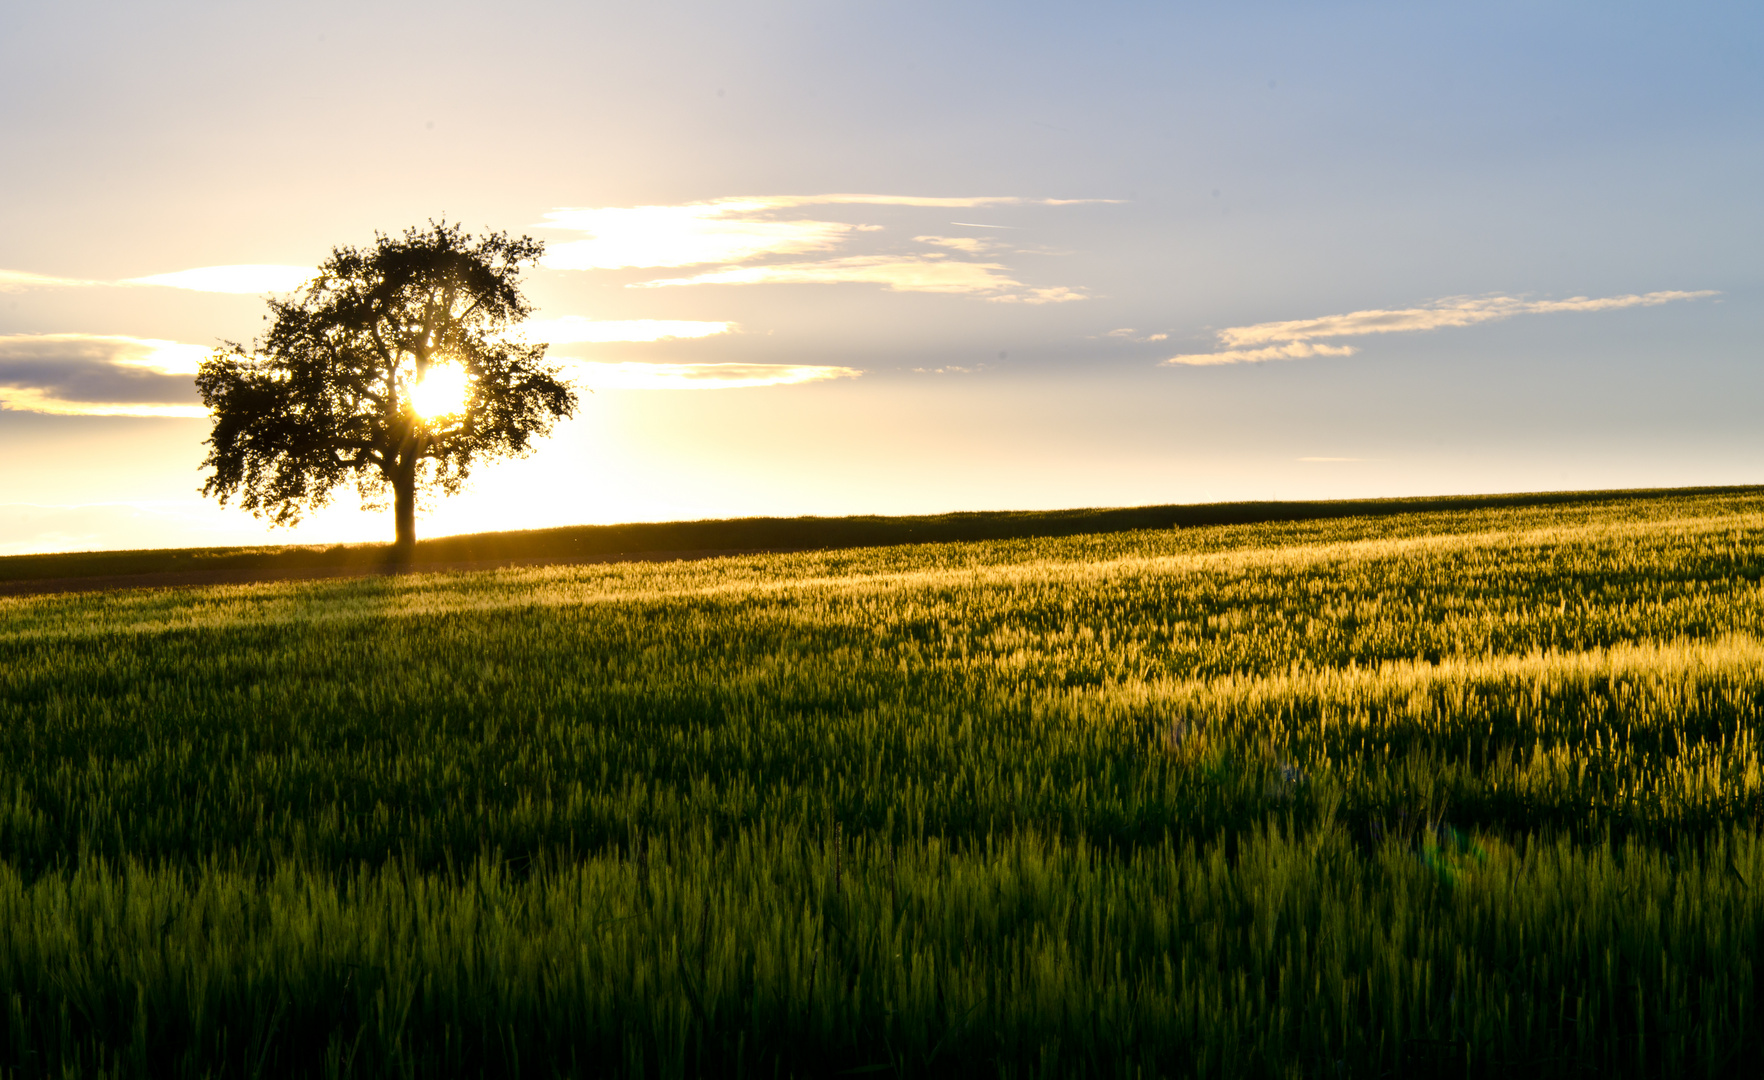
[389, 368]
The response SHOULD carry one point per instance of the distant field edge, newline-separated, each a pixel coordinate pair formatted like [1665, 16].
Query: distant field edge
[81, 571]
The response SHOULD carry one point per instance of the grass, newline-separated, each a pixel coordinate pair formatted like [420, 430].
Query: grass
[594, 542]
[1455, 792]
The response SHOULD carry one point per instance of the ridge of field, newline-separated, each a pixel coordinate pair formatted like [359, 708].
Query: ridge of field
[1467, 792]
[743, 535]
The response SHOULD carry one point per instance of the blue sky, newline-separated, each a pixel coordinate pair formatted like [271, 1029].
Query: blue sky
[1394, 249]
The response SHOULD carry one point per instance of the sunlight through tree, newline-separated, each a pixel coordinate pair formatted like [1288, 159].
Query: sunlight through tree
[389, 368]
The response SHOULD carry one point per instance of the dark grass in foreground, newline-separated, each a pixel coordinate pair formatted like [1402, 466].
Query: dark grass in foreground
[1457, 793]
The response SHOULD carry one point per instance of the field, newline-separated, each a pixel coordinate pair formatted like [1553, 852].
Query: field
[21, 574]
[1471, 792]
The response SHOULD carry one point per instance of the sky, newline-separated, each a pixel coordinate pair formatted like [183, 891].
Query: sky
[836, 258]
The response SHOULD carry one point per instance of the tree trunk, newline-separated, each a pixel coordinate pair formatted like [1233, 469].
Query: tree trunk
[404, 510]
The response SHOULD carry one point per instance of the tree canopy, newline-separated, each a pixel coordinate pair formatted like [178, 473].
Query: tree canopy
[392, 368]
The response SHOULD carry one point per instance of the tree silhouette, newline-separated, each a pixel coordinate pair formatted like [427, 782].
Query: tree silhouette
[353, 379]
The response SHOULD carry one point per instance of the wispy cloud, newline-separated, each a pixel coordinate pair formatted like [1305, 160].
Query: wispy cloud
[250, 278]
[959, 202]
[731, 230]
[1450, 312]
[639, 376]
[898, 273]
[1059, 294]
[968, 245]
[98, 375]
[19, 280]
[1127, 333]
[246, 278]
[1292, 350]
[724, 231]
[574, 329]
[742, 235]
[1291, 339]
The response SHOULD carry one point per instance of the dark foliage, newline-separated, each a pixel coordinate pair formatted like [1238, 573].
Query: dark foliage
[325, 397]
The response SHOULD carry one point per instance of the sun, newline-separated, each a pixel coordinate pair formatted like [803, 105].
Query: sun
[442, 391]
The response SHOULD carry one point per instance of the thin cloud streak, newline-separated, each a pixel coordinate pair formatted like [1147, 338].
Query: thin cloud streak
[966, 202]
[20, 280]
[1292, 339]
[575, 329]
[1293, 350]
[33, 400]
[632, 375]
[732, 231]
[897, 273]
[1058, 294]
[1450, 312]
[967, 245]
[955, 203]
[242, 279]
[724, 231]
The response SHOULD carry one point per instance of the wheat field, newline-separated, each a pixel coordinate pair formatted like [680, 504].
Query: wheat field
[1458, 793]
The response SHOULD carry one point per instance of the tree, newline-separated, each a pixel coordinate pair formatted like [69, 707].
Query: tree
[390, 368]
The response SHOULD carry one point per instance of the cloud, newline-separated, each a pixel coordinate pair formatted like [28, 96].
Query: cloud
[245, 278]
[959, 202]
[1059, 294]
[968, 245]
[574, 329]
[19, 280]
[1292, 350]
[1440, 314]
[734, 232]
[98, 375]
[725, 231]
[900, 273]
[252, 278]
[1126, 333]
[729, 230]
[1287, 340]
[639, 376]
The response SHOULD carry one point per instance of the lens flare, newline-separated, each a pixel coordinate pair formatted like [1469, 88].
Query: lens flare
[441, 393]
